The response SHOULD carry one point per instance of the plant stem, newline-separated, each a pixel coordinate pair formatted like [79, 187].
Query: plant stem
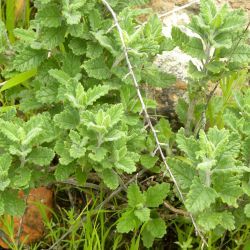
[190, 115]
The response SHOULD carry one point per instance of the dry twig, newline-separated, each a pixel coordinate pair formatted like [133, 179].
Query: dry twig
[178, 9]
[176, 210]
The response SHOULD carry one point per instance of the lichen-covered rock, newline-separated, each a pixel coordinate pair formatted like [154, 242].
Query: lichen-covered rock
[32, 226]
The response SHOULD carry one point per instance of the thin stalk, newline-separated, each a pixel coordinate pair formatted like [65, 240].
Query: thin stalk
[1, 10]
[210, 241]
[190, 116]
[27, 13]
[10, 19]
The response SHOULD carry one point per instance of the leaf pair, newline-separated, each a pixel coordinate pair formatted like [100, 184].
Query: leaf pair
[139, 210]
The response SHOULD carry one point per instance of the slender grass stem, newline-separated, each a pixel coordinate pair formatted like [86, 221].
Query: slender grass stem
[10, 19]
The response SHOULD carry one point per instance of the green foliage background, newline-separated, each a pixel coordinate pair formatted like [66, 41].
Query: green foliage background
[69, 110]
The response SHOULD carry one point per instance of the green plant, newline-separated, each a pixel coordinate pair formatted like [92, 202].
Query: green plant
[141, 212]
[219, 42]
[213, 175]
[8, 224]
[71, 110]
[213, 170]
[76, 107]
[218, 104]
[216, 176]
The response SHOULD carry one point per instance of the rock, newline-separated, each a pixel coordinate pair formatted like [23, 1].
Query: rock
[244, 4]
[32, 223]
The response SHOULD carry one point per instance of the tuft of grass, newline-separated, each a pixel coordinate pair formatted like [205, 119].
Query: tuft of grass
[90, 229]
[15, 13]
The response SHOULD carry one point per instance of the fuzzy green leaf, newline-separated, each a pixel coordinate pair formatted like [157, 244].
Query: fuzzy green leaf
[210, 220]
[67, 119]
[22, 178]
[127, 222]
[148, 161]
[105, 41]
[61, 76]
[80, 30]
[234, 21]
[194, 48]
[115, 113]
[135, 196]
[182, 171]
[215, 67]
[47, 94]
[95, 19]
[41, 156]
[147, 238]
[157, 78]
[29, 59]
[63, 149]
[50, 16]
[245, 150]
[78, 147]
[164, 130]
[110, 178]
[194, 72]
[222, 40]
[94, 50]
[10, 130]
[126, 164]
[241, 54]
[156, 194]
[208, 10]
[13, 205]
[187, 144]
[179, 37]
[228, 188]
[31, 135]
[114, 135]
[98, 154]
[97, 68]
[156, 227]
[71, 11]
[143, 214]
[93, 94]
[63, 172]
[53, 37]
[227, 220]
[199, 197]
[5, 163]
[78, 46]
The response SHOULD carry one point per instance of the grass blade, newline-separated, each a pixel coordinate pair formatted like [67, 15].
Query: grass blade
[18, 79]
[10, 19]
